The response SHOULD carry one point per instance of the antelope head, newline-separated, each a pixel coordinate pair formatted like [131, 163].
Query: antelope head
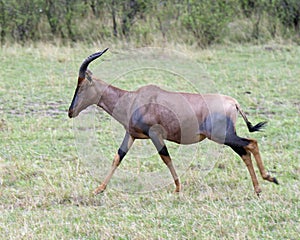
[86, 92]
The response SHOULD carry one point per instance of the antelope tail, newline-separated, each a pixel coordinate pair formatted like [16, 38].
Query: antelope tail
[251, 128]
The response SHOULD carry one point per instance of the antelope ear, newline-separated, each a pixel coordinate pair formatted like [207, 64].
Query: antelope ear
[88, 75]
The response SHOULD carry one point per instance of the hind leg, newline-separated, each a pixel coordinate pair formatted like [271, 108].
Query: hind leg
[246, 156]
[244, 151]
[253, 148]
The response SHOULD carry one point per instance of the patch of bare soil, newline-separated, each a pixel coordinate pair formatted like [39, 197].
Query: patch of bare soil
[51, 109]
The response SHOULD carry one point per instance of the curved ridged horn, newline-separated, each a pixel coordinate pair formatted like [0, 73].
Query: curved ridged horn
[87, 61]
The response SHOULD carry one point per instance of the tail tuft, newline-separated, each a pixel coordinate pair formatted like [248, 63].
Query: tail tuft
[257, 127]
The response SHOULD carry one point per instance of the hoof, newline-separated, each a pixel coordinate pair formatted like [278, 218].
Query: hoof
[99, 189]
[258, 191]
[177, 189]
[275, 181]
[271, 179]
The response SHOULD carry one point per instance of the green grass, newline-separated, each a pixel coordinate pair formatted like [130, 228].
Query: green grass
[50, 164]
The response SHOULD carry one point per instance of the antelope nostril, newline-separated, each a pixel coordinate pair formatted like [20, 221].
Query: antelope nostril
[70, 113]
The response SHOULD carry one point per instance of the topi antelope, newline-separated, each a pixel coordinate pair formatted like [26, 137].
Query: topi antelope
[153, 113]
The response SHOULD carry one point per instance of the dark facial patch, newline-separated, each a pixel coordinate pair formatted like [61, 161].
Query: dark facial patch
[74, 101]
[80, 80]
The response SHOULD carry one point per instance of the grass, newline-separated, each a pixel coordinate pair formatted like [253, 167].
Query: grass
[49, 164]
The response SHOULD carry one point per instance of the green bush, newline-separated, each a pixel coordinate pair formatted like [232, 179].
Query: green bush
[207, 20]
[202, 22]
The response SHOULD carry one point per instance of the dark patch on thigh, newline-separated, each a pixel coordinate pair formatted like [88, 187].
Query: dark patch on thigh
[138, 124]
[217, 127]
[236, 141]
[220, 128]
[239, 150]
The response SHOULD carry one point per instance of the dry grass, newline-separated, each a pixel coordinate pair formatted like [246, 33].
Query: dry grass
[46, 178]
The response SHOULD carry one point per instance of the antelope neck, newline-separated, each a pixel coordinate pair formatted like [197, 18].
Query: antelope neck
[109, 97]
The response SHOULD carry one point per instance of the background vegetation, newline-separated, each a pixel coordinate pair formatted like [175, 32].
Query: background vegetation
[144, 22]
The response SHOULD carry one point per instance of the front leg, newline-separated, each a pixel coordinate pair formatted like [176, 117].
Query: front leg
[124, 148]
[158, 142]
